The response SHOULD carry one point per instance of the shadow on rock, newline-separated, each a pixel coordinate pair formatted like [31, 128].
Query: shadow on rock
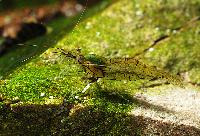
[89, 120]
[124, 98]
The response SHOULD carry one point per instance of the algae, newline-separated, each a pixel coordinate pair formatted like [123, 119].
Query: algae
[123, 29]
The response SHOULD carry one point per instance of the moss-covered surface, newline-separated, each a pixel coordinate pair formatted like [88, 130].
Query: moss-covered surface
[43, 95]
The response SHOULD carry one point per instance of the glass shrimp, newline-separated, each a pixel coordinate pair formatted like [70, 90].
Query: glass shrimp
[130, 69]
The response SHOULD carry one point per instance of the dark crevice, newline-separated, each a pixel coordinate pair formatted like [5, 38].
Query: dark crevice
[194, 84]
[164, 37]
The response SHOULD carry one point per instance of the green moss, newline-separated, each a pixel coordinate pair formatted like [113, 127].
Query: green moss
[119, 30]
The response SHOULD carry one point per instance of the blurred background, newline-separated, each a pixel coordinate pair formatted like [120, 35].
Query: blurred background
[22, 20]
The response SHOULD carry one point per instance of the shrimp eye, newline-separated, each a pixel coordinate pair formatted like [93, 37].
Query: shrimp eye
[80, 59]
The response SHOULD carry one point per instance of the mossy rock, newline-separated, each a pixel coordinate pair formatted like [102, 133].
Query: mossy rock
[53, 83]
